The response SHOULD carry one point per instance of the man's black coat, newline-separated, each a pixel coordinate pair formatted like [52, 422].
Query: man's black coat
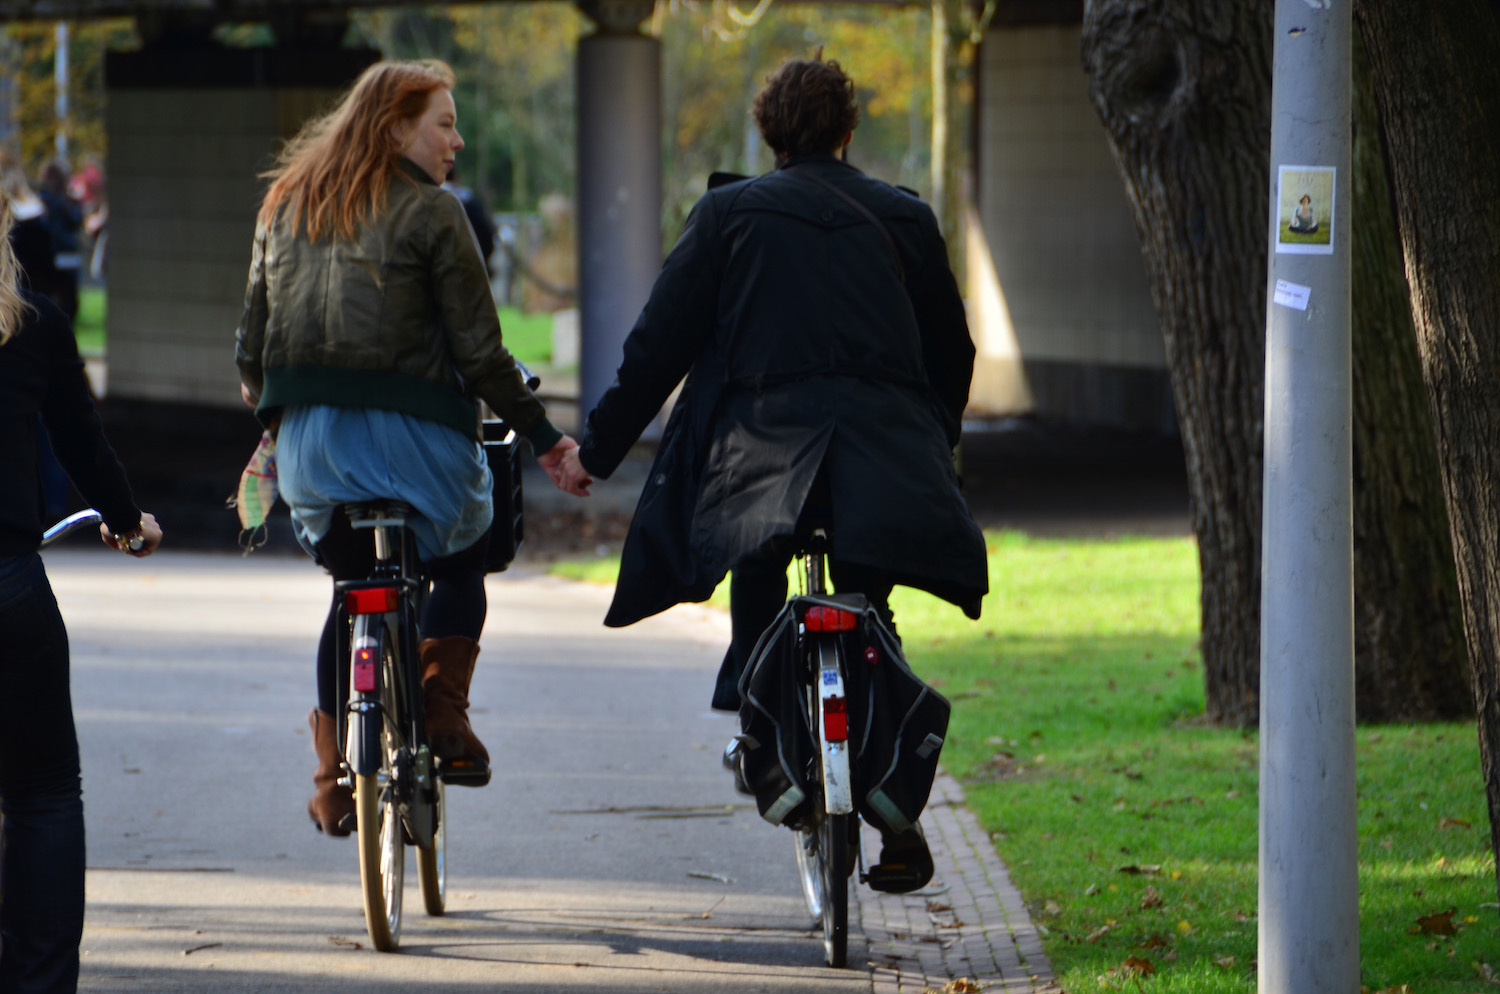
[805, 344]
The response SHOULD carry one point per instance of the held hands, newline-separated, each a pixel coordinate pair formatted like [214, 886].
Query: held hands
[562, 465]
[148, 532]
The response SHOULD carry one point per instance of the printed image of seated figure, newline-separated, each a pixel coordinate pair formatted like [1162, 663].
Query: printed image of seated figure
[1303, 220]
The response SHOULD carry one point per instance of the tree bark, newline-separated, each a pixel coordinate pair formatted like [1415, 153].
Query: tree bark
[1439, 93]
[1410, 663]
[1183, 89]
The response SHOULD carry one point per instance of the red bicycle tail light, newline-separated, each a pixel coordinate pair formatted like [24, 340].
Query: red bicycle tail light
[371, 600]
[364, 671]
[835, 720]
[871, 656]
[830, 619]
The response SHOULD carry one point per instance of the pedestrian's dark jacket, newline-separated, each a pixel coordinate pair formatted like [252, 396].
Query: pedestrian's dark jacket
[42, 379]
[806, 345]
[399, 318]
[64, 221]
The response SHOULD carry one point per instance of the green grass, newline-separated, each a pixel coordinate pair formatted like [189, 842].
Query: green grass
[88, 327]
[528, 336]
[1128, 825]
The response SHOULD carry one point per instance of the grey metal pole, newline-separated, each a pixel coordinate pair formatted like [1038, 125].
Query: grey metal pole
[1309, 885]
[60, 77]
[619, 186]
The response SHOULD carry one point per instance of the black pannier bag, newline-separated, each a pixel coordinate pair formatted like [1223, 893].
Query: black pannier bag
[502, 450]
[897, 723]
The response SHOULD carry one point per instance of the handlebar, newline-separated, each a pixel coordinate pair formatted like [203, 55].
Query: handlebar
[531, 379]
[79, 521]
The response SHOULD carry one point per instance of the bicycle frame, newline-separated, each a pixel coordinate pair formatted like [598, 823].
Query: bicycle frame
[371, 611]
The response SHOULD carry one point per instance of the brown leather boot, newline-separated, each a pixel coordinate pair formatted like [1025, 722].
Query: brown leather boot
[331, 802]
[447, 668]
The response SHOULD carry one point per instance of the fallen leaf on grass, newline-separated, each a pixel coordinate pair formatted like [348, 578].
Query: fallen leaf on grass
[1227, 963]
[1139, 965]
[1403, 989]
[1145, 869]
[1487, 973]
[1156, 941]
[1437, 923]
[1150, 899]
[1097, 934]
[1453, 823]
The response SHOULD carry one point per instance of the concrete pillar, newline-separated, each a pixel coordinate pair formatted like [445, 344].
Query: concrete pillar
[190, 126]
[619, 185]
[1309, 881]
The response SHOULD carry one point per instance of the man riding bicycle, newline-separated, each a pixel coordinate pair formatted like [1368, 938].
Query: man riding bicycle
[821, 331]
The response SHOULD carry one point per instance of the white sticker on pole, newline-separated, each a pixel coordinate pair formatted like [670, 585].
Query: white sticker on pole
[1305, 210]
[1290, 294]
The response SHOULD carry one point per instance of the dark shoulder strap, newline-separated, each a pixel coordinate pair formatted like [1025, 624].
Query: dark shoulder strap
[860, 209]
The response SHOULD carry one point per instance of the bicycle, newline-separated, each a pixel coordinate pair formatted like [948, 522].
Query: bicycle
[828, 846]
[398, 785]
[850, 745]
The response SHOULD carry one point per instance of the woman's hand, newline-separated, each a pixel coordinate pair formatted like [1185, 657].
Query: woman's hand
[148, 531]
[563, 466]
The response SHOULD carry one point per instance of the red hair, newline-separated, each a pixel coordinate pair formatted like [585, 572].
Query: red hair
[336, 171]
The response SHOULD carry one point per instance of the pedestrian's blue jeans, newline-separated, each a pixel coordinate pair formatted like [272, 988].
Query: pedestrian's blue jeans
[41, 873]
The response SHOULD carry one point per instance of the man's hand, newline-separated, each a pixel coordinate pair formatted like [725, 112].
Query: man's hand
[562, 465]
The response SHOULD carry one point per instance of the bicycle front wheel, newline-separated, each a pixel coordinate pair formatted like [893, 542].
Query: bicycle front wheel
[432, 863]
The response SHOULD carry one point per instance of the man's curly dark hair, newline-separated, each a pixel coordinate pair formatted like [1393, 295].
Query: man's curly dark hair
[806, 107]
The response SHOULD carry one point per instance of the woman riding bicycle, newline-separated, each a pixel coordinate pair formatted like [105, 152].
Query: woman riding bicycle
[368, 334]
[828, 361]
[41, 879]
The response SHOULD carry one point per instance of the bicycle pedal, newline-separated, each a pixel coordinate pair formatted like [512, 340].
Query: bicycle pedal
[463, 772]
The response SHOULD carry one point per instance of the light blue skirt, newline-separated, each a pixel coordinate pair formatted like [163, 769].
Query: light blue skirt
[327, 456]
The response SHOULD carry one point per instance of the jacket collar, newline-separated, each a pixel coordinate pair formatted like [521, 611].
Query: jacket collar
[415, 171]
[816, 159]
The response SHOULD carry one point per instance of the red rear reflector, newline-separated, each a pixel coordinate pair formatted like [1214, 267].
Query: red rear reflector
[371, 600]
[871, 656]
[830, 619]
[364, 671]
[835, 720]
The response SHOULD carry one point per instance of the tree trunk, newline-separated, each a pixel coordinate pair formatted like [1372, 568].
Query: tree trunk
[1183, 89]
[1410, 663]
[1184, 92]
[1439, 93]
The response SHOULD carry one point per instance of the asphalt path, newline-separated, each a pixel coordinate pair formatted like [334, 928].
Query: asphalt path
[610, 853]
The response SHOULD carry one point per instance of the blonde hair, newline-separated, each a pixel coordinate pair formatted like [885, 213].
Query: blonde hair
[12, 305]
[337, 170]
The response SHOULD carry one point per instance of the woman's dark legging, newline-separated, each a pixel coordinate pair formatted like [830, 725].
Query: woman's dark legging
[456, 606]
[41, 877]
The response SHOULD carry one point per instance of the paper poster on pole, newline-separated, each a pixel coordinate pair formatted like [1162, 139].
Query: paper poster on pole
[1305, 210]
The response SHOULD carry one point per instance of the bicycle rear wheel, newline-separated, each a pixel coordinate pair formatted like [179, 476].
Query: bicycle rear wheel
[382, 853]
[432, 862]
[833, 867]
